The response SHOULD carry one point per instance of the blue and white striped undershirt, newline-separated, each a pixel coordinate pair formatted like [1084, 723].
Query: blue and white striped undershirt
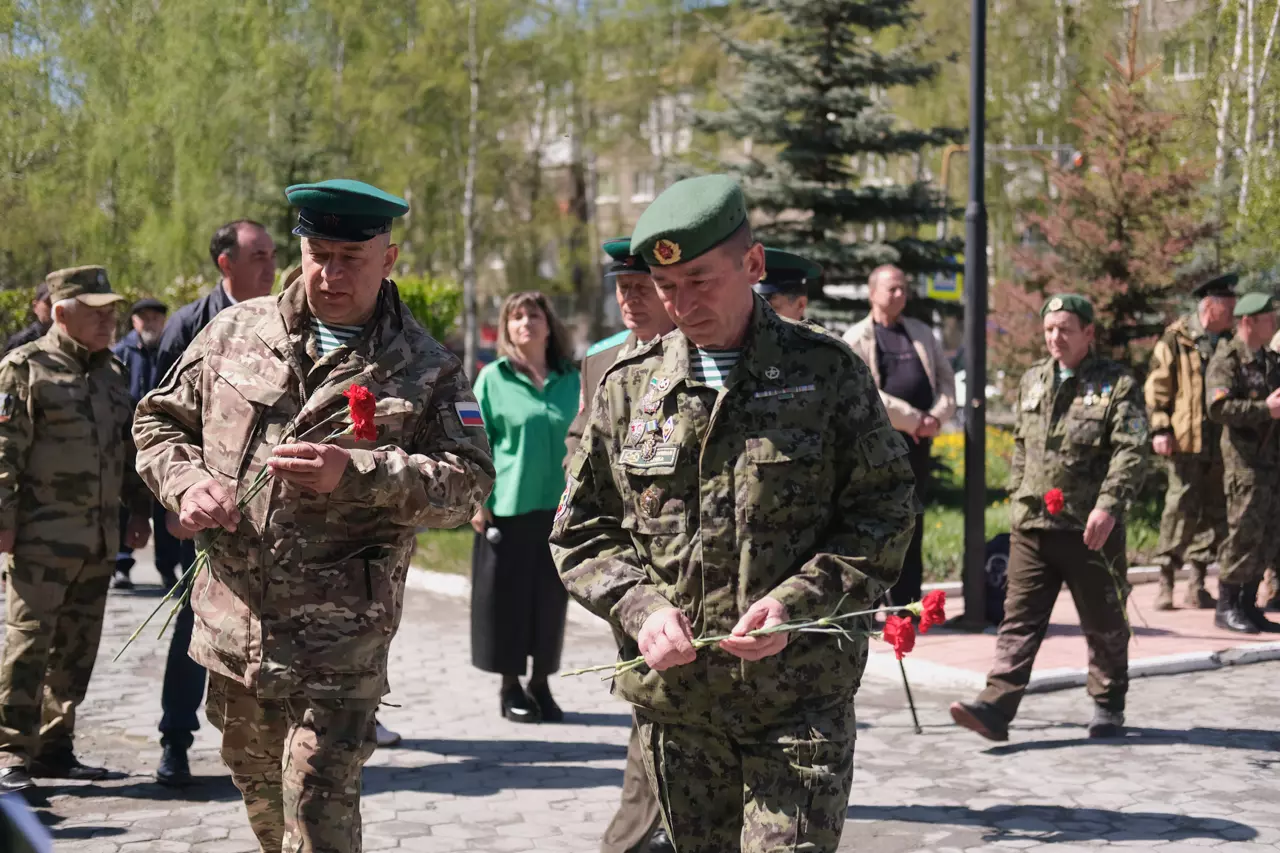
[713, 366]
[330, 336]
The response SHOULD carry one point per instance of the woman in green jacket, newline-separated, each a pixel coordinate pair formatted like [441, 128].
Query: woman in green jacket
[528, 398]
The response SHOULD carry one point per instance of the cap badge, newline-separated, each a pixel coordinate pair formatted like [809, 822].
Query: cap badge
[332, 220]
[102, 279]
[1055, 304]
[666, 251]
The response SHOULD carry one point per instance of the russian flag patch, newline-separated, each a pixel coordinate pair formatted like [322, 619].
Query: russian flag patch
[469, 414]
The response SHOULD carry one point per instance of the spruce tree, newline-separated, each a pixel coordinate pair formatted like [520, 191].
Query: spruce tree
[813, 101]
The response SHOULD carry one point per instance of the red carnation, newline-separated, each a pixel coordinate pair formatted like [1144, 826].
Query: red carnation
[361, 405]
[933, 610]
[1054, 501]
[899, 633]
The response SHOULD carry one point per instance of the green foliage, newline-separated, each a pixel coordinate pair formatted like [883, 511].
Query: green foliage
[446, 551]
[435, 303]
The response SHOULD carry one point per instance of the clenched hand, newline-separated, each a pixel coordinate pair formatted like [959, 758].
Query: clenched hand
[315, 467]
[206, 505]
[765, 613]
[666, 639]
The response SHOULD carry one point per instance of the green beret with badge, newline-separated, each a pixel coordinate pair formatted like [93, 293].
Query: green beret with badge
[787, 272]
[343, 210]
[1071, 303]
[1254, 303]
[689, 219]
[88, 285]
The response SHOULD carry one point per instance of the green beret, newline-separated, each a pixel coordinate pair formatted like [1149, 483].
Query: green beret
[1070, 303]
[1254, 303]
[344, 210]
[690, 218]
[786, 272]
[87, 285]
[1219, 285]
[619, 249]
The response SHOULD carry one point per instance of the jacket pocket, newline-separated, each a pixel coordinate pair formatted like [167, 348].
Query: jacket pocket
[235, 400]
[779, 480]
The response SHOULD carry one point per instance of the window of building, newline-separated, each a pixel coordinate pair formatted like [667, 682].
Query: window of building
[1184, 60]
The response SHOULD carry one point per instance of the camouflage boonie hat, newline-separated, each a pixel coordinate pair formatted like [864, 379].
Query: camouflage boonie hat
[87, 285]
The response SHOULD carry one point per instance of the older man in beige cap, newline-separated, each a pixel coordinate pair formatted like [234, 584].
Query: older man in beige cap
[66, 464]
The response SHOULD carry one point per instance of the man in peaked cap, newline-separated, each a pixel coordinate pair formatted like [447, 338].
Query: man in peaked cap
[66, 466]
[1078, 462]
[1194, 522]
[786, 282]
[1242, 388]
[736, 474]
[295, 612]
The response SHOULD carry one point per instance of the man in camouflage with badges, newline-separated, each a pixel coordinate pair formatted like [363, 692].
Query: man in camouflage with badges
[1194, 522]
[734, 475]
[295, 613]
[1080, 453]
[1242, 388]
[786, 283]
[66, 466]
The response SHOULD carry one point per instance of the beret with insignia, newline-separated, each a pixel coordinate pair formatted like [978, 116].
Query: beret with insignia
[690, 218]
[344, 210]
[1219, 285]
[623, 262]
[1253, 303]
[1071, 303]
[787, 272]
[87, 285]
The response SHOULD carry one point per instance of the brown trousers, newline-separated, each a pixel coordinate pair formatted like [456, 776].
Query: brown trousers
[1039, 562]
[637, 816]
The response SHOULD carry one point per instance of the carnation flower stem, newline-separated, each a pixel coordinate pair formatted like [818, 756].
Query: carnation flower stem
[911, 703]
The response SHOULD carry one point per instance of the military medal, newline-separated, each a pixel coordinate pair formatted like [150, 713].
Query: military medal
[662, 383]
[1088, 395]
[651, 404]
[651, 500]
[649, 449]
[635, 430]
[668, 428]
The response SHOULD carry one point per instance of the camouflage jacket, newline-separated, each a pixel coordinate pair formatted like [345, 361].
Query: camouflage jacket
[66, 458]
[1086, 435]
[789, 483]
[303, 599]
[1236, 389]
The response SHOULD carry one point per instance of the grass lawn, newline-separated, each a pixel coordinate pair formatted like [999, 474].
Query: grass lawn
[445, 550]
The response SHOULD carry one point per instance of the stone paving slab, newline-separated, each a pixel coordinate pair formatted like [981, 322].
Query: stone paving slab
[1200, 769]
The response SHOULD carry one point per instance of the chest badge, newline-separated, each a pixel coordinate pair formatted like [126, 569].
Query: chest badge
[772, 373]
[651, 501]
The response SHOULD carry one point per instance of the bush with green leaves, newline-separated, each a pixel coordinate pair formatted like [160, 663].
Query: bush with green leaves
[436, 303]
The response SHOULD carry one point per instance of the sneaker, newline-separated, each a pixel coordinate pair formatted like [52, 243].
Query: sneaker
[1106, 723]
[385, 737]
[120, 580]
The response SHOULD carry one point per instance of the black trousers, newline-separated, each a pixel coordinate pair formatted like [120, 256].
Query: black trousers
[518, 603]
[184, 679]
[907, 589]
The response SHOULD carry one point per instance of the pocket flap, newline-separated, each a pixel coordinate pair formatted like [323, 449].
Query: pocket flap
[248, 384]
[783, 445]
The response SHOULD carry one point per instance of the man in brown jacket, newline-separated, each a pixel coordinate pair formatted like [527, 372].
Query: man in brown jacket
[1194, 523]
[303, 591]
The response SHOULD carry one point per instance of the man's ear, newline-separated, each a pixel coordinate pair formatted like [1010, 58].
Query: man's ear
[389, 259]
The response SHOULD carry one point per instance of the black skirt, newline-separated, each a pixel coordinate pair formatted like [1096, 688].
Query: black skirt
[518, 603]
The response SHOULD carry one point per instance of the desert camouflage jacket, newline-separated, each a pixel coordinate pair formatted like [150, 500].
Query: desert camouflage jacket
[789, 483]
[66, 456]
[304, 597]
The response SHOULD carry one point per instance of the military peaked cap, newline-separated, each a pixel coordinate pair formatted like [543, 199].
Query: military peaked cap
[344, 210]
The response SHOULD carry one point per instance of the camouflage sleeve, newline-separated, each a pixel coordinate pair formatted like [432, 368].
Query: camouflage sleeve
[595, 556]
[438, 482]
[1224, 405]
[134, 494]
[1018, 460]
[1129, 436]
[15, 436]
[167, 431]
[574, 437]
[874, 513]
[1162, 386]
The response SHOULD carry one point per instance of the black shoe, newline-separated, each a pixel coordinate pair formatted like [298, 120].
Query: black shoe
[1106, 723]
[659, 842]
[120, 580]
[65, 766]
[547, 708]
[981, 718]
[15, 780]
[174, 770]
[1229, 615]
[1249, 604]
[517, 706]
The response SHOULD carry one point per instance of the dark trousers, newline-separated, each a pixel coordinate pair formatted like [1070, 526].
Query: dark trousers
[184, 679]
[1039, 562]
[638, 815]
[907, 589]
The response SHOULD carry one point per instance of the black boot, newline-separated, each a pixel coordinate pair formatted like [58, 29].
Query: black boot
[174, 770]
[15, 779]
[981, 718]
[517, 706]
[1249, 604]
[65, 765]
[1229, 615]
[1106, 723]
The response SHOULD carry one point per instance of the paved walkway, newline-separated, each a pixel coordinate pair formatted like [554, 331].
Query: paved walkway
[1200, 770]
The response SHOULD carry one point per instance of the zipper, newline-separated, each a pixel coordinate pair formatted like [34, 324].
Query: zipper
[368, 579]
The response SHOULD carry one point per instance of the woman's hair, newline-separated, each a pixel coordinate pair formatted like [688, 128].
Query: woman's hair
[559, 353]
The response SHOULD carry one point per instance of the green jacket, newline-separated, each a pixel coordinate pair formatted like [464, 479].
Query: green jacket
[1237, 384]
[789, 483]
[1086, 435]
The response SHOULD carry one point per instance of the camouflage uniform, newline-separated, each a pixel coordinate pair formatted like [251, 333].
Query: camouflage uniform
[66, 462]
[1237, 384]
[296, 614]
[1086, 435]
[789, 483]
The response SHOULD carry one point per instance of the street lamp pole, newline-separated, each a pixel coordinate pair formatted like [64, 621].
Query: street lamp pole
[975, 333]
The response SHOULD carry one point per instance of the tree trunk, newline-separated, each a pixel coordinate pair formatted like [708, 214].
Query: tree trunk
[1257, 77]
[471, 332]
[1224, 111]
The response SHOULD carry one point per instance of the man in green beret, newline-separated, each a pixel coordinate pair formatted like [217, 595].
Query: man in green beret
[737, 474]
[1242, 388]
[786, 283]
[1194, 522]
[66, 467]
[301, 596]
[1079, 456]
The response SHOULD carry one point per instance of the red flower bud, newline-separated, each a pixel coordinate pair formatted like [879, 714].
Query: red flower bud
[933, 610]
[361, 405]
[899, 633]
[1054, 501]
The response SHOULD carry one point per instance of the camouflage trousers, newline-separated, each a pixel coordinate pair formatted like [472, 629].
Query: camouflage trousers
[755, 790]
[1039, 562]
[1253, 505]
[297, 763]
[1194, 523]
[53, 622]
